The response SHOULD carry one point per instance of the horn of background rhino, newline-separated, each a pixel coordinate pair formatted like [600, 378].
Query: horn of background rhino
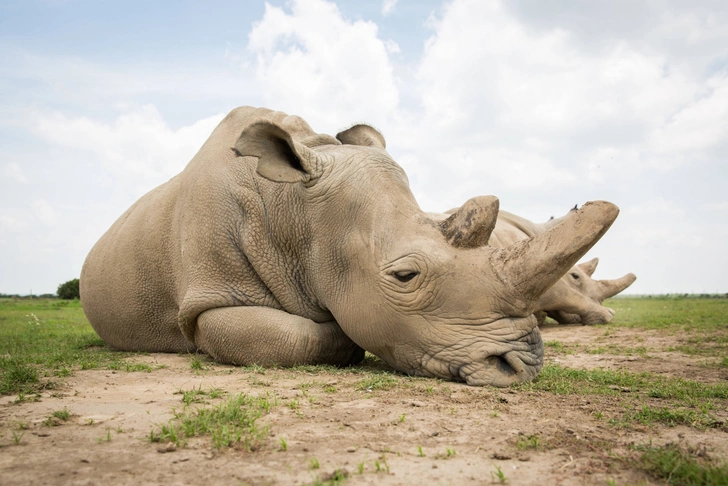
[590, 266]
[610, 288]
[530, 267]
[471, 225]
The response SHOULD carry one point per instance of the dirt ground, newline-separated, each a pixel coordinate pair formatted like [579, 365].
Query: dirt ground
[405, 431]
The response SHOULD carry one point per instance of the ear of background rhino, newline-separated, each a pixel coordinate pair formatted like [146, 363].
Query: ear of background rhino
[280, 158]
[532, 266]
[362, 135]
[590, 266]
[472, 224]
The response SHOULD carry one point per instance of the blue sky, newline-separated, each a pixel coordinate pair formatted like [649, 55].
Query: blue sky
[543, 104]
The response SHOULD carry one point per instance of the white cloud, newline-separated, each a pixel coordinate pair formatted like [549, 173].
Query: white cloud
[139, 145]
[388, 6]
[44, 212]
[13, 171]
[12, 224]
[656, 206]
[721, 206]
[314, 62]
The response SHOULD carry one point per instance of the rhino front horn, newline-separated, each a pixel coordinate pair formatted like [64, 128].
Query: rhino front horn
[530, 267]
[471, 225]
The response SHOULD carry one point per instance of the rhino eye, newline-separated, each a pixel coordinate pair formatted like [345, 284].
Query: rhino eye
[575, 276]
[405, 276]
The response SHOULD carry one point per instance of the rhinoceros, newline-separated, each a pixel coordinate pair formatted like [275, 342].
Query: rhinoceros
[576, 297]
[280, 246]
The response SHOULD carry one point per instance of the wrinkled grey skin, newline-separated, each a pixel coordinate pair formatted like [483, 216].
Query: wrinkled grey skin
[576, 297]
[277, 245]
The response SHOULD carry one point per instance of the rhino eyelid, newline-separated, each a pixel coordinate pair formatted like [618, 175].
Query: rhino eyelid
[576, 276]
[405, 276]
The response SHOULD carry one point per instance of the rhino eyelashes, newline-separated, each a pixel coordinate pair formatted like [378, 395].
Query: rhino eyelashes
[405, 276]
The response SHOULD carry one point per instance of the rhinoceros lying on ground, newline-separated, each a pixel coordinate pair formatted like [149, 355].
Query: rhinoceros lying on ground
[277, 245]
[576, 297]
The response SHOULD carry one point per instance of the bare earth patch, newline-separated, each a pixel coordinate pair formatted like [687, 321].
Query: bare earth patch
[398, 431]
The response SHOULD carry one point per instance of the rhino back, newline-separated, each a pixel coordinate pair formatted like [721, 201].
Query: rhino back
[217, 235]
[129, 279]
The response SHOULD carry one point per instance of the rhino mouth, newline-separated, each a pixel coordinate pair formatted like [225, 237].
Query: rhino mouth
[508, 368]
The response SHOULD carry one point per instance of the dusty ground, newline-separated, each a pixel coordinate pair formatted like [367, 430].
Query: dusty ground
[106, 439]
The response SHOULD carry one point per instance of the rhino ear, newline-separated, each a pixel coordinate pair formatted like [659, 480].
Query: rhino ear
[280, 158]
[590, 266]
[362, 135]
[472, 224]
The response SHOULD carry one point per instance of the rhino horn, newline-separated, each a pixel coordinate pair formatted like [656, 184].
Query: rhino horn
[530, 267]
[363, 135]
[590, 266]
[610, 288]
[471, 225]
[280, 158]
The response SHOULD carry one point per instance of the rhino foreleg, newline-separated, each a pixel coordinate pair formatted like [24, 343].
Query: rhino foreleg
[265, 336]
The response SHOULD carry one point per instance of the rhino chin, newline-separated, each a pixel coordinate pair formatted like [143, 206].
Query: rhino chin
[509, 368]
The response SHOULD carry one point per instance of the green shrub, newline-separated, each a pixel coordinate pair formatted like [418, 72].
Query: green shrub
[69, 290]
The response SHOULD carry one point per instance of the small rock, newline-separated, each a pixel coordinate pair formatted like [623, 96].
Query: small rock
[168, 447]
[85, 460]
[416, 403]
[524, 458]
[434, 466]
[501, 456]
[435, 433]
[351, 449]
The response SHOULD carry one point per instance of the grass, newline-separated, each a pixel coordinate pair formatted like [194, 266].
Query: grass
[675, 465]
[702, 315]
[377, 382]
[45, 339]
[567, 381]
[703, 319]
[232, 423]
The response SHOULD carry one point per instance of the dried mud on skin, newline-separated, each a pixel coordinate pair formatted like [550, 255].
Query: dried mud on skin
[406, 430]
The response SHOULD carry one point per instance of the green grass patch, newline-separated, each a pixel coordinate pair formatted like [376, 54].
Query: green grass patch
[558, 346]
[678, 466]
[647, 415]
[45, 338]
[568, 381]
[704, 315]
[232, 423]
[377, 382]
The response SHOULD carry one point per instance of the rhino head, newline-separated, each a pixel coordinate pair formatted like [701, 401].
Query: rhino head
[577, 298]
[428, 297]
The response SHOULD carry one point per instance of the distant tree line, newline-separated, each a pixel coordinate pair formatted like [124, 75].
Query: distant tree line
[67, 290]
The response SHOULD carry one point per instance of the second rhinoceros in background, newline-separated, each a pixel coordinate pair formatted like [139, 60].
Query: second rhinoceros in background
[576, 297]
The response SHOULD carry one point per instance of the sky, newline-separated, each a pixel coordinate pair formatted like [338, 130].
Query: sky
[542, 104]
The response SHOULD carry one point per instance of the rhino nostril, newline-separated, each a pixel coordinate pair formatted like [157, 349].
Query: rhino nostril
[499, 363]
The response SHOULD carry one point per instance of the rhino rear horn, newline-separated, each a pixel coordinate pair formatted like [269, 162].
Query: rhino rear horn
[530, 267]
[472, 224]
[590, 266]
[363, 135]
[280, 158]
